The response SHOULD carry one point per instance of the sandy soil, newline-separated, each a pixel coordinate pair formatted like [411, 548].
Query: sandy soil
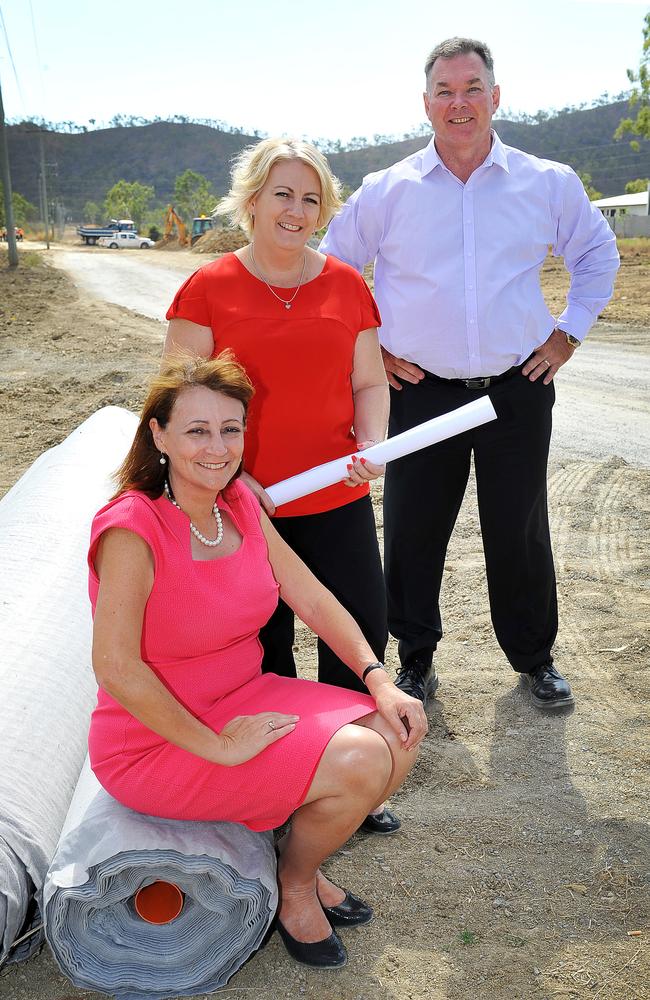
[523, 864]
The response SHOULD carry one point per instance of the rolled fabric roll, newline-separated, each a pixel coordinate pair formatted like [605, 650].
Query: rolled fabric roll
[107, 852]
[47, 686]
[464, 418]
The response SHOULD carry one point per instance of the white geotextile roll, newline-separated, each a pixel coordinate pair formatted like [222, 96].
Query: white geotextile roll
[47, 687]
[107, 852]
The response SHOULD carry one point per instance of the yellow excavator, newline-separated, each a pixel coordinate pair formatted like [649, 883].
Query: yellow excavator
[172, 219]
[201, 225]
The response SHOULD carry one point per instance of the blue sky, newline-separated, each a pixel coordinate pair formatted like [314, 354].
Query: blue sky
[336, 70]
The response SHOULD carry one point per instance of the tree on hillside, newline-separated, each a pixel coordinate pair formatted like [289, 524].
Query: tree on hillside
[193, 195]
[128, 200]
[24, 211]
[592, 194]
[640, 94]
[638, 186]
[92, 212]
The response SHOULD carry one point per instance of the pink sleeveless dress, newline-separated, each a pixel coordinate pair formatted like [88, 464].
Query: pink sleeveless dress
[200, 637]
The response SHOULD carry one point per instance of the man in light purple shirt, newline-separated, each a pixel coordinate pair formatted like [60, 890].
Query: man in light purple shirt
[459, 232]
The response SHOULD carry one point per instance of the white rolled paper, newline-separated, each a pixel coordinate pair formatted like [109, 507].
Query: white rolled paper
[473, 414]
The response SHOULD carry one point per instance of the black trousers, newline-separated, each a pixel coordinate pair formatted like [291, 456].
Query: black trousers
[340, 548]
[422, 496]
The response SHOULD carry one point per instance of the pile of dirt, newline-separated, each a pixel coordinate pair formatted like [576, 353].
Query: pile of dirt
[218, 241]
[169, 243]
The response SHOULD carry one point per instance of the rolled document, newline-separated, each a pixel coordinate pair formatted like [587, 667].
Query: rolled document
[473, 414]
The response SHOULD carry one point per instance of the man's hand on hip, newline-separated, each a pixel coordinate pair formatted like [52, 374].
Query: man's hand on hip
[397, 368]
[548, 358]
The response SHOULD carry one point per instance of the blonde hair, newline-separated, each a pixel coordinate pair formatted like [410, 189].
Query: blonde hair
[252, 167]
[141, 469]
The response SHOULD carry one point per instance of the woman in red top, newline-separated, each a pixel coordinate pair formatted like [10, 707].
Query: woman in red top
[304, 327]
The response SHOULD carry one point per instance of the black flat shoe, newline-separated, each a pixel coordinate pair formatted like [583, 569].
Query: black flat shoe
[350, 912]
[327, 954]
[385, 823]
[548, 688]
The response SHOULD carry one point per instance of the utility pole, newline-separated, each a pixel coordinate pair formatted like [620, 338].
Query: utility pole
[6, 183]
[46, 213]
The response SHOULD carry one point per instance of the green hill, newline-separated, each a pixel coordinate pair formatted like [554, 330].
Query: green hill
[82, 166]
[583, 139]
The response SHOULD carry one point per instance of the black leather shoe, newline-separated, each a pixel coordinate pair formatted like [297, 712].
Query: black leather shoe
[418, 677]
[327, 954]
[385, 822]
[351, 912]
[548, 688]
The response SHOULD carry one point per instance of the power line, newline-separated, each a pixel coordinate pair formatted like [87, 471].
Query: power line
[4, 28]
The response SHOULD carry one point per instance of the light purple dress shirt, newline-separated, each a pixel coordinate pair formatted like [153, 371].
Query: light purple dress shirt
[457, 265]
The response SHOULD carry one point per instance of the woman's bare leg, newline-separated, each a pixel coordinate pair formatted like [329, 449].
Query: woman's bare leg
[401, 763]
[353, 772]
[401, 760]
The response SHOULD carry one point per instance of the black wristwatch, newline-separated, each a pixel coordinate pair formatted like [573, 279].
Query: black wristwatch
[371, 666]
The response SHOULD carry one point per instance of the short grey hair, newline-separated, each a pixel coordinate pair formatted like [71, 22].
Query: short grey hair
[459, 47]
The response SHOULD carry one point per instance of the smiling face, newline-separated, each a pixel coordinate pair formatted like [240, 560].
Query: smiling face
[460, 103]
[203, 441]
[287, 208]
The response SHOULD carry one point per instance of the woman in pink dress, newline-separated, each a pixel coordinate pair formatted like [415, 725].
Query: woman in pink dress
[184, 570]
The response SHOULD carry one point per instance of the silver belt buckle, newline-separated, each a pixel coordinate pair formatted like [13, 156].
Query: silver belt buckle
[477, 383]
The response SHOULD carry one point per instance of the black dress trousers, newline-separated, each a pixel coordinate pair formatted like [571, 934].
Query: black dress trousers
[422, 496]
[340, 548]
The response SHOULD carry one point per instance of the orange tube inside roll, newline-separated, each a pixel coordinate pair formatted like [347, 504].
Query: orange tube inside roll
[158, 903]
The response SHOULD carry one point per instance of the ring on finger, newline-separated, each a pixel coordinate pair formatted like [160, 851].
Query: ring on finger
[546, 362]
[271, 724]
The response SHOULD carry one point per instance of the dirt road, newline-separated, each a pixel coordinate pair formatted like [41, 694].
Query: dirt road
[139, 280]
[523, 863]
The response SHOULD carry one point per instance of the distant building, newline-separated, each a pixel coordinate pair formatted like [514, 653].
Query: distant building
[627, 214]
[623, 204]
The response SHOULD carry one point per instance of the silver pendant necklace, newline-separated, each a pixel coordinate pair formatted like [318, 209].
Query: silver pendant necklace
[285, 302]
[211, 543]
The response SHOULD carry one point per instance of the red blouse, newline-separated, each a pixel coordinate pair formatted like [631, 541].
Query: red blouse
[300, 361]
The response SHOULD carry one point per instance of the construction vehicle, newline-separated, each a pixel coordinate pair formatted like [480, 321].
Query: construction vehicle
[201, 225]
[90, 234]
[172, 218]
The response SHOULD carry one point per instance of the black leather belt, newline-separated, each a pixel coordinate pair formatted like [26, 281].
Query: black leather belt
[475, 383]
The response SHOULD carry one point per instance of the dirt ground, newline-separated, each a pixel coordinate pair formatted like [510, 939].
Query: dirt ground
[522, 870]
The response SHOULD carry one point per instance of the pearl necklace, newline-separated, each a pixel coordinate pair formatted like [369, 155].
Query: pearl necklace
[285, 302]
[195, 531]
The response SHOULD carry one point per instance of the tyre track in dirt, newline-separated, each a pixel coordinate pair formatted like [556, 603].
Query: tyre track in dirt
[599, 504]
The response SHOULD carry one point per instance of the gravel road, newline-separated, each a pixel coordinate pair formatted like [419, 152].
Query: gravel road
[142, 281]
